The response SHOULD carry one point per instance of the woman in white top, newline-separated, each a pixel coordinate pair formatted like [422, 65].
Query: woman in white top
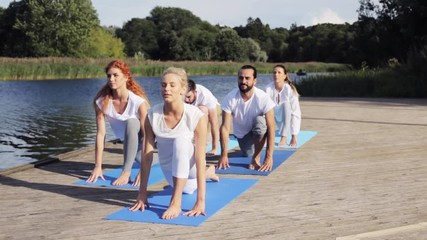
[123, 103]
[180, 131]
[203, 98]
[287, 111]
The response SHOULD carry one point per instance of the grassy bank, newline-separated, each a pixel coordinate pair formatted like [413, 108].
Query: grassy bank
[72, 68]
[396, 83]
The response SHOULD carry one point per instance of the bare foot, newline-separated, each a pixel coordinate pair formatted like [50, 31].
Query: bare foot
[254, 165]
[123, 179]
[293, 141]
[211, 152]
[210, 174]
[282, 141]
[137, 179]
[171, 212]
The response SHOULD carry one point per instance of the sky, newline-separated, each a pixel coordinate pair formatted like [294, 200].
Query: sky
[232, 13]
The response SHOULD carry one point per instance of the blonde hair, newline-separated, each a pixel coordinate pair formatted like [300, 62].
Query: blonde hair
[180, 72]
[287, 79]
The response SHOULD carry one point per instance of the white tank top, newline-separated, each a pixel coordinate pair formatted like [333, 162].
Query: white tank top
[118, 121]
[165, 135]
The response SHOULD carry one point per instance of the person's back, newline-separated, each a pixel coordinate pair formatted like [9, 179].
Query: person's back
[203, 98]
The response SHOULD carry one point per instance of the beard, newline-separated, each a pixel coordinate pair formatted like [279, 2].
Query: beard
[245, 90]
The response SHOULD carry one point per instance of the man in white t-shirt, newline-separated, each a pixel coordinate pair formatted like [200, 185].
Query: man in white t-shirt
[251, 111]
[203, 98]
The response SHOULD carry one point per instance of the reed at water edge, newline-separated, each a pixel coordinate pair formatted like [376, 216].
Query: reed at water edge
[76, 68]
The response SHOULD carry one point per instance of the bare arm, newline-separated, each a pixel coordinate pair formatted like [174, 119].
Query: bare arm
[271, 131]
[200, 157]
[213, 120]
[147, 159]
[224, 135]
[99, 146]
[142, 112]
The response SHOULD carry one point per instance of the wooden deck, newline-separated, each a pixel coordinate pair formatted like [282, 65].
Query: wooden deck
[363, 176]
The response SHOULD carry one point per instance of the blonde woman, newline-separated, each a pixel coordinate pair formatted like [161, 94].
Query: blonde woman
[287, 111]
[180, 131]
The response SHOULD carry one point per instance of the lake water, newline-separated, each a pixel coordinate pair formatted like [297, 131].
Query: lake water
[41, 119]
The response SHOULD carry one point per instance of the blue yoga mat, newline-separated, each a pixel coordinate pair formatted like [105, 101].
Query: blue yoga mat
[232, 143]
[156, 175]
[302, 138]
[239, 165]
[218, 194]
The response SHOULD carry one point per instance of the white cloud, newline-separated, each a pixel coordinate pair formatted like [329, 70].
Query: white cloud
[327, 15]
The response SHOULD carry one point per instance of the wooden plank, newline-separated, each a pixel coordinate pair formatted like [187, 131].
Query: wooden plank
[364, 172]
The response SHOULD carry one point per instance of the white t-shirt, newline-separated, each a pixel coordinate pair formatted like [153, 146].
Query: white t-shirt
[245, 113]
[165, 136]
[205, 97]
[118, 121]
[286, 95]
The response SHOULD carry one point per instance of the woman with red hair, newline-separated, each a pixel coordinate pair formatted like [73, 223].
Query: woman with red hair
[123, 103]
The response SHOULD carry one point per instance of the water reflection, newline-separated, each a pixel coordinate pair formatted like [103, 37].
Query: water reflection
[44, 118]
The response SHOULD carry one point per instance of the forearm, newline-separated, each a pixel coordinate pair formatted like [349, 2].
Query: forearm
[270, 144]
[201, 179]
[99, 149]
[213, 120]
[271, 132]
[147, 160]
[224, 141]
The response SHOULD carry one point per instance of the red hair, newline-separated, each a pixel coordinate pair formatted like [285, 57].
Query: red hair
[107, 93]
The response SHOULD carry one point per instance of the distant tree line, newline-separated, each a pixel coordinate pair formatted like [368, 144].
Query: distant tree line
[393, 30]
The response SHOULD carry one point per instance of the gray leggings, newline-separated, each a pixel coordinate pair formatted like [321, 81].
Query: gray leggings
[132, 144]
[259, 129]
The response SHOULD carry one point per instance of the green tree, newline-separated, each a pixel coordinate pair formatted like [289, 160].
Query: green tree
[398, 27]
[278, 37]
[103, 44]
[229, 46]
[140, 36]
[253, 50]
[172, 22]
[271, 41]
[50, 27]
[13, 42]
[194, 44]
